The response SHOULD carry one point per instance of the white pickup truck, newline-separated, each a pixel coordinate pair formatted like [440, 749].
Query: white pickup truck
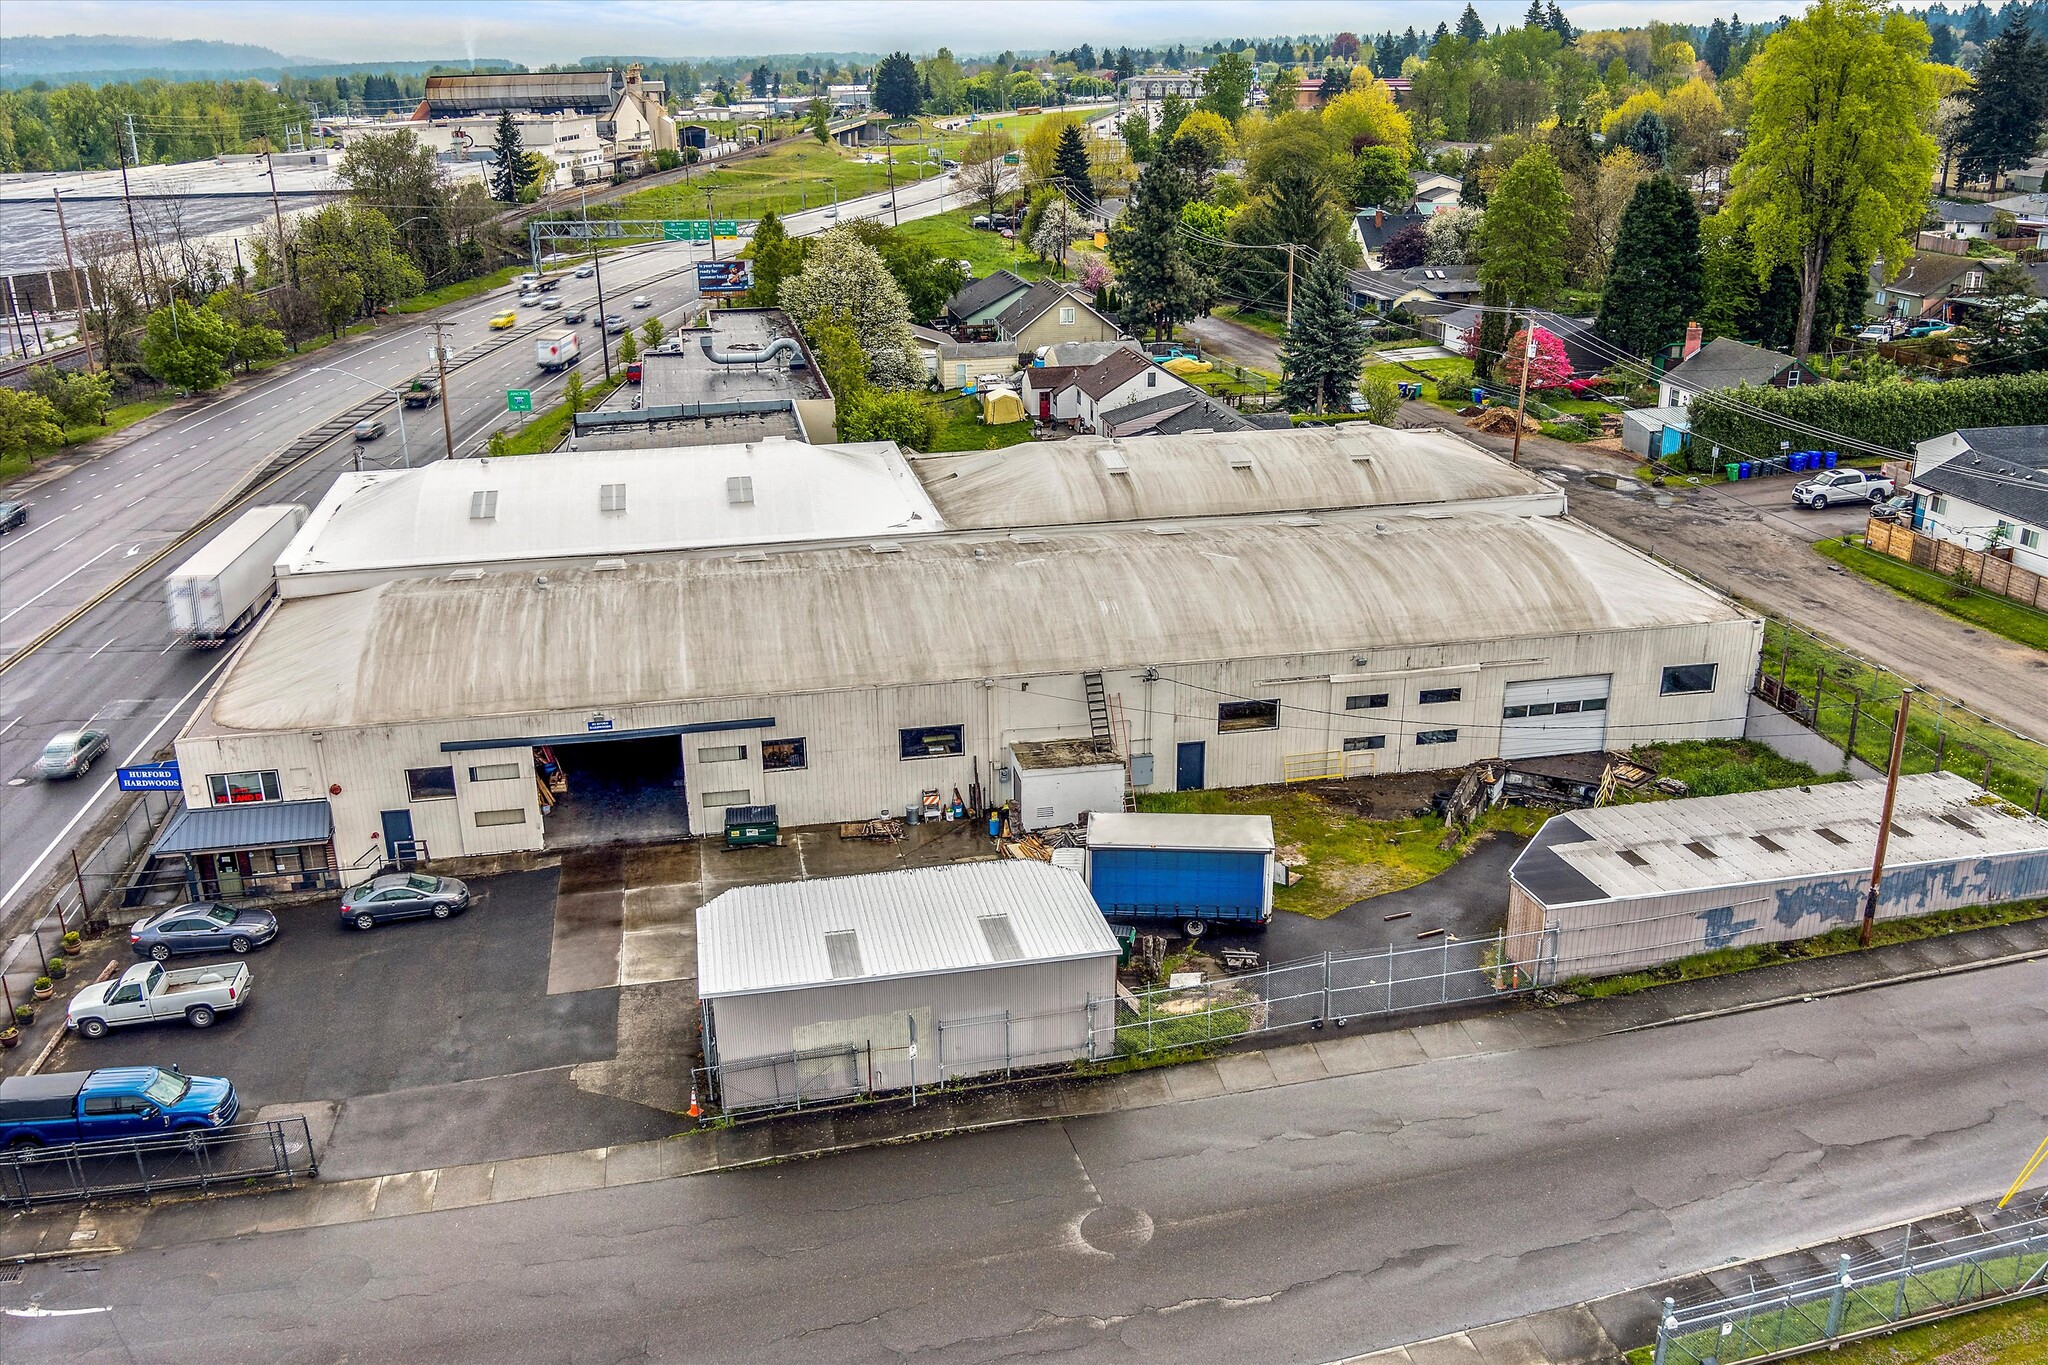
[148, 992]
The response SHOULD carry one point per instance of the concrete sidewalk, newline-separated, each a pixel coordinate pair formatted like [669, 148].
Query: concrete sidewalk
[96, 1229]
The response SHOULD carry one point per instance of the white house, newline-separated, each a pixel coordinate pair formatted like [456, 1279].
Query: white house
[1963, 220]
[1986, 488]
[1119, 379]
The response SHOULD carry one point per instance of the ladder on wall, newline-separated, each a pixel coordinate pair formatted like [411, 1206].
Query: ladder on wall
[1098, 705]
[1117, 727]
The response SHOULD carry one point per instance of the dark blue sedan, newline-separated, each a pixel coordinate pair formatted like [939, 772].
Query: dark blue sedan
[403, 895]
[205, 927]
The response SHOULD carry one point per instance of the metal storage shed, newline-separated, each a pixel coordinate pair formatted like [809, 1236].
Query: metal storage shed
[840, 986]
[1625, 887]
[1196, 870]
[1057, 781]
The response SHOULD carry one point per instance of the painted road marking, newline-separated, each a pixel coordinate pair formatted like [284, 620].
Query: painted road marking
[53, 586]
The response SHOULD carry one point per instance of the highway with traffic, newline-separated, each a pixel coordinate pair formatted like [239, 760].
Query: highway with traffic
[84, 638]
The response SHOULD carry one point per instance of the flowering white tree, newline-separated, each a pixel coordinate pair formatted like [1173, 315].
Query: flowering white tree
[841, 274]
[1058, 225]
[1448, 236]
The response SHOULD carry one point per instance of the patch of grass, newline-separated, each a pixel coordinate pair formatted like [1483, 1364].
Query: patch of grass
[961, 427]
[949, 234]
[788, 179]
[1833, 943]
[1721, 767]
[459, 290]
[119, 416]
[1255, 319]
[1343, 858]
[2015, 621]
[548, 428]
[2011, 1333]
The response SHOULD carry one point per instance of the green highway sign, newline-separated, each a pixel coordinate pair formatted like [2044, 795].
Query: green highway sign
[686, 230]
[725, 227]
[519, 400]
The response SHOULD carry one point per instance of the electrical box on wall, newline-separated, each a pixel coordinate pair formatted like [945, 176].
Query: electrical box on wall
[1141, 770]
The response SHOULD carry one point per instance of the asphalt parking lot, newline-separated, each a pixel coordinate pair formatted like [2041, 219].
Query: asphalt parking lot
[418, 1043]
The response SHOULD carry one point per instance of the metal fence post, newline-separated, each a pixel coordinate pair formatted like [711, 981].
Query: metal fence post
[1905, 1273]
[1664, 1325]
[1836, 1299]
[1390, 976]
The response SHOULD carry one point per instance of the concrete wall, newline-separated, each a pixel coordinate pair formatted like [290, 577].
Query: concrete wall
[855, 768]
[958, 1025]
[1786, 737]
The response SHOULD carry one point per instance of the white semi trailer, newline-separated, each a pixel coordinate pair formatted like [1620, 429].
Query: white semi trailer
[223, 587]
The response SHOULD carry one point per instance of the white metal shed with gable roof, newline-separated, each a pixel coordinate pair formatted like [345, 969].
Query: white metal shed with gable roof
[816, 990]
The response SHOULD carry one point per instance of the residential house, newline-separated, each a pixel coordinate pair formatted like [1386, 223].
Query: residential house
[1986, 488]
[1118, 380]
[1372, 228]
[1724, 363]
[1434, 191]
[1048, 313]
[979, 302]
[955, 364]
[1049, 392]
[1963, 219]
[2030, 215]
[1382, 291]
[1178, 412]
[1926, 285]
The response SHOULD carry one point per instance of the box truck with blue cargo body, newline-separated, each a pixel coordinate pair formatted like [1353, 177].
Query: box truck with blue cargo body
[1197, 872]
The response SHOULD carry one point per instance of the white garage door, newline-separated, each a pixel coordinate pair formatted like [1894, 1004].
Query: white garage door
[1554, 716]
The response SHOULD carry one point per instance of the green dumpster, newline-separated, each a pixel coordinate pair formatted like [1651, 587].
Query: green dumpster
[750, 826]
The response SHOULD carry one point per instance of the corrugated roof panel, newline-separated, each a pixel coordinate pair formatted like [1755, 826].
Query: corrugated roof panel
[260, 824]
[913, 922]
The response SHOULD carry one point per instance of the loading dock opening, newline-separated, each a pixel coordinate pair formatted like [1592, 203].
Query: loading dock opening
[627, 790]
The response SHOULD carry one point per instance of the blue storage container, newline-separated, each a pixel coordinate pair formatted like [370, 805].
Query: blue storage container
[1221, 886]
[1831, 459]
[1798, 461]
[1745, 469]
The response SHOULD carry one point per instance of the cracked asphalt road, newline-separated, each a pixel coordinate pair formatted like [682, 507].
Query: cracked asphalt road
[1297, 1224]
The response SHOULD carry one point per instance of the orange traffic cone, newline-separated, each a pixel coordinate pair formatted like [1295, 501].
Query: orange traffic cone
[696, 1110]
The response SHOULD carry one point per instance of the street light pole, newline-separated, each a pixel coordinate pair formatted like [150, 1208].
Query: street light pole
[404, 444]
[441, 370]
[77, 291]
[1884, 823]
[1522, 389]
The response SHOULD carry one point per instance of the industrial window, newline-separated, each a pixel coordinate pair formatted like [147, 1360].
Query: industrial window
[1767, 843]
[1001, 937]
[722, 753]
[1593, 704]
[1700, 850]
[494, 772]
[1513, 712]
[1365, 701]
[1542, 708]
[739, 796]
[430, 784]
[842, 954]
[1633, 858]
[483, 504]
[1436, 736]
[611, 497]
[1248, 715]
[1432, 696]
[1682, 679]
[1359, 743]
[1824, 832]
[486, 818]
[931, 741]
[783, 755]
[241, 789]
[1899, 831]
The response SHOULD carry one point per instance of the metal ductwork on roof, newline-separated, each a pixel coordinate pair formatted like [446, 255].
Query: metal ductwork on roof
[780, 346]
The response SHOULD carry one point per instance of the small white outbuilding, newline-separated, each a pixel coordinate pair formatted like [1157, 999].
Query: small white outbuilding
[838, 986]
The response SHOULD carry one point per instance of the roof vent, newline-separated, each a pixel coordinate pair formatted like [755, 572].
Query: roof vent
[1767, 843]
[1700, 850]
[1633, 858]
[611, 497]
[1242, 459]
[750, 557]
[1113, 461]
[1824, 832]
[1001, 937]
[466, 575]
[483, 505]
[842, 952]
[1167, 530]
[1960, 823]
[885, 547]
[608, 566]
[739, 490]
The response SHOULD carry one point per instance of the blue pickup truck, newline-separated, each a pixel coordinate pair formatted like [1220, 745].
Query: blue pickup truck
[113, 1102]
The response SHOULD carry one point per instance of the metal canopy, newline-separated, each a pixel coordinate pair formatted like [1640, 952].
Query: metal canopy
[260, 824]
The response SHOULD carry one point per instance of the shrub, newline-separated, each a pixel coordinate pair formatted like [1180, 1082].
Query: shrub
[1894, 416]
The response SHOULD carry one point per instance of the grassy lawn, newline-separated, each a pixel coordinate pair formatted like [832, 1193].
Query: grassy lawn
[1272, 325]
[948, 234]
[961, 427]
[954, 141]
[1233, 379]
[1342, 858]
[119, 416]
[2017, 765]
[1721, 767]
[2016, 622]
[2005, 1334]
[547, 428]
[786, 179]
[459, 290]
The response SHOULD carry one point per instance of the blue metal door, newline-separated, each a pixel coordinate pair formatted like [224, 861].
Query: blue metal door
[1187, 767]
[398, 844]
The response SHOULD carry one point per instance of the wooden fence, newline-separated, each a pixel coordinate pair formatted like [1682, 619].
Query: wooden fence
[1989, 573]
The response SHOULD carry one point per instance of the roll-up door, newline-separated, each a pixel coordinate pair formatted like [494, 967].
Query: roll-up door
[1554, 716]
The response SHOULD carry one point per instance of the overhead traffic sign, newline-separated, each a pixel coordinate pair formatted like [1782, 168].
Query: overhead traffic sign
[686, 230]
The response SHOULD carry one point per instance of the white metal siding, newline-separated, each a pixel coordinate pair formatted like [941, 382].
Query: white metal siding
[1574, 732]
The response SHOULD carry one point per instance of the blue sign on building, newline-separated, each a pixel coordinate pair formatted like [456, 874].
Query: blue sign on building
[598, 723]
[151, 777]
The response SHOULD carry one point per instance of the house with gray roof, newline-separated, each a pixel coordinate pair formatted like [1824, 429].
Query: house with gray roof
[1961, 219]
[1986, 488]
[1175, 413]
[979, 302]
[1373, 228]
[1724, 363]
[1927, 283]
[1050, 313]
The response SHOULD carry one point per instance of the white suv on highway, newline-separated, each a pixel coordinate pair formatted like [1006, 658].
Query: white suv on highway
[1841, 485]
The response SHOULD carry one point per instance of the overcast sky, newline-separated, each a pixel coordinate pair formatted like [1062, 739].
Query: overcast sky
[540, 31]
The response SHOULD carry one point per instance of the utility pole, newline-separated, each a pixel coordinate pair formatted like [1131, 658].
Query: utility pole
[1522, 389]
[889, 152]
[77, 290]
[1884, 823]
[134, 237]
[441, 368]
[276, 213]
[711, 222]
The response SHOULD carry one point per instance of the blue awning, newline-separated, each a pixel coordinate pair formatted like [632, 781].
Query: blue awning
[259, 824]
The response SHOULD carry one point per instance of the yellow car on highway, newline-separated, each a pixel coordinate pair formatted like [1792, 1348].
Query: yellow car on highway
[503, 320]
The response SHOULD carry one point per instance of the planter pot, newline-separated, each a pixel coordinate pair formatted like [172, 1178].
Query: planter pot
[43, 992]
[24, 1020]
[57, 970]
[10, 1037]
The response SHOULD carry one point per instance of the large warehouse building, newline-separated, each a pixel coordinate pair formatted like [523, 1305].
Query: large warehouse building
[835, 630]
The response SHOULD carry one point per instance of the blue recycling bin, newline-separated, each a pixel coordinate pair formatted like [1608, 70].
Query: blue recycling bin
[1478, 396]
[1745, 469]
[1831, 457]
[1798, 461]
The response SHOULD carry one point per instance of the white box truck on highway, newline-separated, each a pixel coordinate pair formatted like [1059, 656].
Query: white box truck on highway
[221, 589]
[555, 351]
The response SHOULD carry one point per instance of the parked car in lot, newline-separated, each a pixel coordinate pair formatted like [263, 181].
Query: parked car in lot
[202, 927]
[70, 753]
[113, 1102]
[403, 895]
[508, 318]
[149, 993]
[1841, 485]
[369, 429]
[642, 301]
[12, 515]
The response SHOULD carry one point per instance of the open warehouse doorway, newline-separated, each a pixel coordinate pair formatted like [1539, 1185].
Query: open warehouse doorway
[605, 791]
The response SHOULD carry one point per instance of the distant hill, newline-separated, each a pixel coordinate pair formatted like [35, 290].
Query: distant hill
[30, 57]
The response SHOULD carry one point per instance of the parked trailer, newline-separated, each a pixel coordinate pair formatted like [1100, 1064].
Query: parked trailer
[221, 589]
[1194, 871]
[556, 351]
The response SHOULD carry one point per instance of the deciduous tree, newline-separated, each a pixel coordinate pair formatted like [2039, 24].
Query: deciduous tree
[843, 274]
[1522, 234]
[27, 422]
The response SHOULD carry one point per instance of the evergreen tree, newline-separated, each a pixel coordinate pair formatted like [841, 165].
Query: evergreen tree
[511, 174]
[1534, 18]
[1647, 136]
[1491, 340]
[776, 256]
[1470, 28]
[898, 92]
[1655, 285]
[1715, 53]
[1943, 46]
[1161, 282]
[1070, 169]
[1554, 19]
[2009, 103]
[1320, 358]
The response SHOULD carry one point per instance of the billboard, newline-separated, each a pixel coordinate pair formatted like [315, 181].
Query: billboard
[724, 277]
